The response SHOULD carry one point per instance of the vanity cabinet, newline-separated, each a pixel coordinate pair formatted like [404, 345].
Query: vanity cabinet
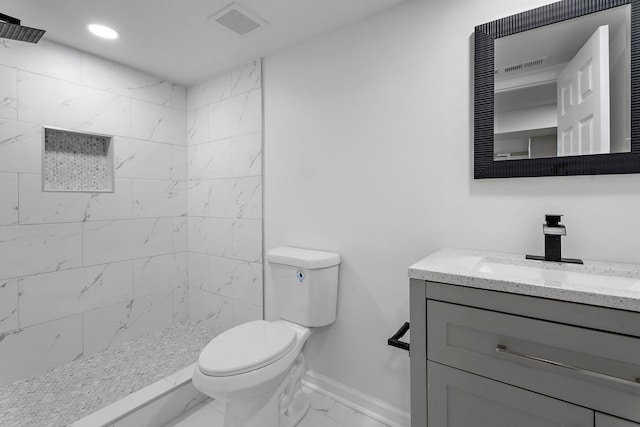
[484, 358]
[460, 399]
[603, 420]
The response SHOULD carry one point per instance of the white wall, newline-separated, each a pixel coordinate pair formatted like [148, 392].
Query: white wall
[225, 198]
[81, 271]
[368, 152]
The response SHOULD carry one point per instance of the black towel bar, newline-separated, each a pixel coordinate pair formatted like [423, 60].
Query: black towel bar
[394, 341]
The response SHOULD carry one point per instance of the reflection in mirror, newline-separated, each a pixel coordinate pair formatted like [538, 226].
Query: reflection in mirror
[564, 89]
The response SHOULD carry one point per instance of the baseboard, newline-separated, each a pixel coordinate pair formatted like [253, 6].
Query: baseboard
[370, 406]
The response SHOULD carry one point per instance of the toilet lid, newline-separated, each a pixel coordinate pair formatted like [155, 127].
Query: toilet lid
[246, 347]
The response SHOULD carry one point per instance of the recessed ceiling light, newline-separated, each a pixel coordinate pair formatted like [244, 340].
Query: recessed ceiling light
[103, 31]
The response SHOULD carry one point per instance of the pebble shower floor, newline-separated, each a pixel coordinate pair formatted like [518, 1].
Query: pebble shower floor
[62, 395]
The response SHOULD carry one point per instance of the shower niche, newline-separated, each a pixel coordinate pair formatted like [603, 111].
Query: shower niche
[76, 161]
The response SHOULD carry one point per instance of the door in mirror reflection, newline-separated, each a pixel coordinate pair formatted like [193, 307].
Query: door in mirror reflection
[583, 99]
[564, 89]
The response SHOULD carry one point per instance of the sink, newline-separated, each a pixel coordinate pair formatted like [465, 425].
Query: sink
[558, 277]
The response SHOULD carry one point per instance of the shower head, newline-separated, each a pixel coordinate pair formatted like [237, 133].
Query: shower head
[10, 28]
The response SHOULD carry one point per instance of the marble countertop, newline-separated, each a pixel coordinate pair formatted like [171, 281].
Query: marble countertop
[462, 267]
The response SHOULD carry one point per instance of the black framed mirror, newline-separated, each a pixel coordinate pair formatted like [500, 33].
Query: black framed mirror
[557, 91]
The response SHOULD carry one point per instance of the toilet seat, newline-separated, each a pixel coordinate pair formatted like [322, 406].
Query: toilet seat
[246, 347]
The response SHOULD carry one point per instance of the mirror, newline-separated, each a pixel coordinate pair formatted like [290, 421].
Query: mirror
[564, 89]
[553, 91]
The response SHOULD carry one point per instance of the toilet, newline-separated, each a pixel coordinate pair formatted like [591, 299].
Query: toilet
[256, 368]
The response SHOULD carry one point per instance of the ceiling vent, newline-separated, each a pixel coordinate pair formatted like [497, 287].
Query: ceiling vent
[523, 66]
[238, 19]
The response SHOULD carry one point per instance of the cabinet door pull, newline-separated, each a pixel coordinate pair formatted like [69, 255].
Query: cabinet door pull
[394, 341]
[502, 349]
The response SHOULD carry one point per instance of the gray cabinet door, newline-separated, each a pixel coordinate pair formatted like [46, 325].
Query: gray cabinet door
[468, 338]
[460, 399]
[603, 420]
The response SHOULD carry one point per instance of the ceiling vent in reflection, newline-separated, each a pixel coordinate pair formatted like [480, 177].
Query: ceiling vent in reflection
[523, 66]
[238, 19]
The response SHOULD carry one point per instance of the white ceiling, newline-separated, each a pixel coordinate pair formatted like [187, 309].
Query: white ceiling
[174, 39]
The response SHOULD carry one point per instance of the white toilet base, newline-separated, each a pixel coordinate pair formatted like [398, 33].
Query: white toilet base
[294, 403]
[283, 407]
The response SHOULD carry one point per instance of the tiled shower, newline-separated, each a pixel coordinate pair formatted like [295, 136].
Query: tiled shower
[180, 237]
[224, 170]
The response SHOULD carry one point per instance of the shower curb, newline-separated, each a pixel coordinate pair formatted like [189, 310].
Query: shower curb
[154, 405]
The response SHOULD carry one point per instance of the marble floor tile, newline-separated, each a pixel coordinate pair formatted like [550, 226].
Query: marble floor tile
[204, 414]
[316, 419]
[351, 418]
[320, 403]
[321, 407]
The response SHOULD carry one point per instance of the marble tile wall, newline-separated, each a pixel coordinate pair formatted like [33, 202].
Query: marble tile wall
[81, 271]
[224, 198]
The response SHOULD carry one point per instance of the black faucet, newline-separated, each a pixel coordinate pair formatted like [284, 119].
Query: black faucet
[553, 231]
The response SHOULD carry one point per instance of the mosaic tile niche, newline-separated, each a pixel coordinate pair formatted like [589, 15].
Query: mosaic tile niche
[74, 161]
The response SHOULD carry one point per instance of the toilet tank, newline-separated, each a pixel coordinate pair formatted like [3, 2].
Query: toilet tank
[306, 284]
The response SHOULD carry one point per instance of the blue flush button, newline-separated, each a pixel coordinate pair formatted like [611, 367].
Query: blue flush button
[300, 276]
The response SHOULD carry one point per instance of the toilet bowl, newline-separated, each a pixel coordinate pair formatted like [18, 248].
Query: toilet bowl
[256, 368]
